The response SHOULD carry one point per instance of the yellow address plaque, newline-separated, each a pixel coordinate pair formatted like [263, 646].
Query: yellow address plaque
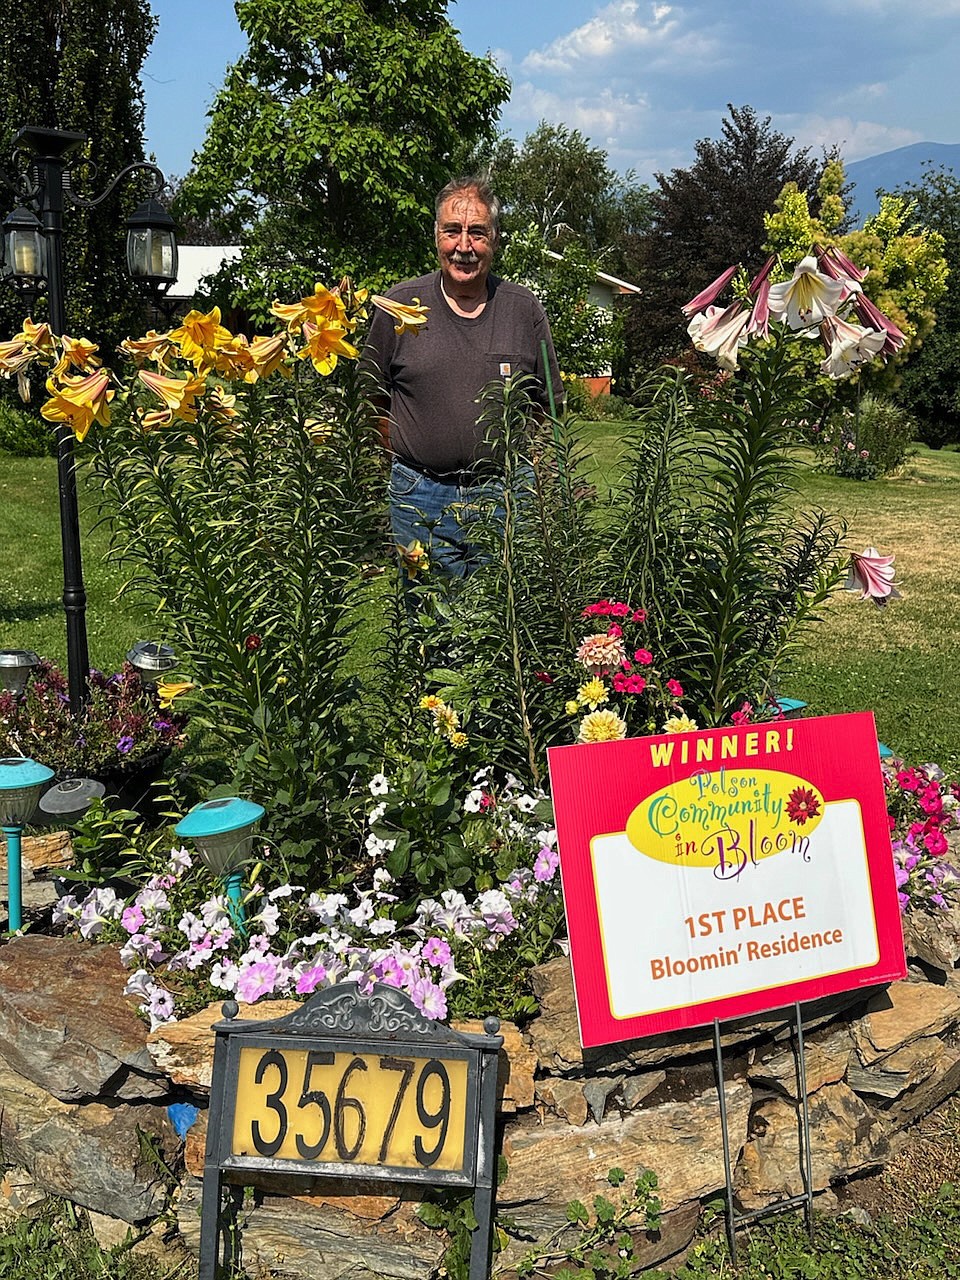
[393, 1109]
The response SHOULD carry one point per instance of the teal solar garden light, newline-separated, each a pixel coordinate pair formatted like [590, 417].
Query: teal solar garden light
[21, 782]
[223, 832]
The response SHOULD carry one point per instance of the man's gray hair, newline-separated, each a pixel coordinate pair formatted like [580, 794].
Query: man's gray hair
[474, 185]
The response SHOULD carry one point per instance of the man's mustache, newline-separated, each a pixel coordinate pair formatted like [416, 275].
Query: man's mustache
[465, 259]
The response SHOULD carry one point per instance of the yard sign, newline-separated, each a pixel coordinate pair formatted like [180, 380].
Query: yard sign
[722, 873]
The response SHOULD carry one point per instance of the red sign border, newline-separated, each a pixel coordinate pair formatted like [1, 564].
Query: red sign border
[595, 788]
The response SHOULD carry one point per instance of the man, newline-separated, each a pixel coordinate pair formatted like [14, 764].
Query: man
[479, 329]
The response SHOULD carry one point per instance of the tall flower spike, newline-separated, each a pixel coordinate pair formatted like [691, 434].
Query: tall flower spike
[872, 575]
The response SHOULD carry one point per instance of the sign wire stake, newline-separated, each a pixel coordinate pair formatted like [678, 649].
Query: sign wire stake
[805, 1158]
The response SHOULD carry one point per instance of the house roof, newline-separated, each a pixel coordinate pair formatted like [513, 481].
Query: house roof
[194, 261]
[622, 286]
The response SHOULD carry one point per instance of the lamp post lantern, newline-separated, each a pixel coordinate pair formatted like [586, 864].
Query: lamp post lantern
[32, 257]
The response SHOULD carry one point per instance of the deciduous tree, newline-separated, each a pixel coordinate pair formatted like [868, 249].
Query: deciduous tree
[333, 133]
[75, 65]
[559, 182]
[931, 381]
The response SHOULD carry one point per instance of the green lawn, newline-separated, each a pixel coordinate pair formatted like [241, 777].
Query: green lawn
[895, 661]
[31, 571]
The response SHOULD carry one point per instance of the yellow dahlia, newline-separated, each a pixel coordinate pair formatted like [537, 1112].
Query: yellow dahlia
[592, 694]
[679, 724]
[602, 726]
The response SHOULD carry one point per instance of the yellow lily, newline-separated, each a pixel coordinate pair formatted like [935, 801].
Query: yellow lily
[221, 405]
[37, 335]
[154, 346]
[322, 304]
[155, 418]
[414, 558]
[231, 360]
[325, 342]
[15, 356]
[269, 353]
[199, 335]
[79, 402]
[167, 690]
[353, 299]
[409, 318]
[78, 352]
[178, 394]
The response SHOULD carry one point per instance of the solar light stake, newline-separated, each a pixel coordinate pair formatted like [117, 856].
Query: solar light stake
[21, 781]
[223, 831]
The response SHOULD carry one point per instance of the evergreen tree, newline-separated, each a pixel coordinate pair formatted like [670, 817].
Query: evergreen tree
[704, 219]
[931, 380]
[75, 65]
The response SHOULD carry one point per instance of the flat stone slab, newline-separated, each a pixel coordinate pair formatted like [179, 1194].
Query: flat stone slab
[66, 1025]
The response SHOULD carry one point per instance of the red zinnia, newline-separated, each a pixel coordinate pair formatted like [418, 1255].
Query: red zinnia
[252, 643]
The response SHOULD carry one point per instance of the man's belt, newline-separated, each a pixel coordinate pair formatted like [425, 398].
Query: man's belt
[480, 473]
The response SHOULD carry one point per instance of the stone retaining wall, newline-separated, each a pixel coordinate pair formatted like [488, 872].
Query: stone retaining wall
[85, 1091]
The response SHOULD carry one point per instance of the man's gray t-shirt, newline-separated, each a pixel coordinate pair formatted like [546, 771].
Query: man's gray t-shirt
[433, 377]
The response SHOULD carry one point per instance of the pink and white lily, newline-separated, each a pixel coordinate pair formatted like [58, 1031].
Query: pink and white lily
[872, 316]
[848, 346]
[720, 333]
[807, 298]
[710, 294]
[872, 575]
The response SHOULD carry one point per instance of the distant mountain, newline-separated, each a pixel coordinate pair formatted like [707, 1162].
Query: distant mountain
[896, 168]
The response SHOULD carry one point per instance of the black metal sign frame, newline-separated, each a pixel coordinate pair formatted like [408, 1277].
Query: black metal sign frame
[342, 1019]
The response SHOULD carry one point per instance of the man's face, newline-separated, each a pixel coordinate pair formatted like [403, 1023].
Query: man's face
[466, 241]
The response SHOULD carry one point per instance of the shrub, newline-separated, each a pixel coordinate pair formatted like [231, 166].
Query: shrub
[23, 433]
[868, 441]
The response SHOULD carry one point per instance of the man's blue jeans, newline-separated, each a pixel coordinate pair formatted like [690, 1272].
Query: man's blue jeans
[439, 516]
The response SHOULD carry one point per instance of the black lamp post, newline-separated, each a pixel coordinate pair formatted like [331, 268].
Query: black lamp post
[32, 257]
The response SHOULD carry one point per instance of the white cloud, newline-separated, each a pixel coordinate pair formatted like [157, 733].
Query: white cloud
[855, 138]
[620, 29]
[606, 118]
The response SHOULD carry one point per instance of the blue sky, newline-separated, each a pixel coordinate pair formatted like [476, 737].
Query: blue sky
[644, 79]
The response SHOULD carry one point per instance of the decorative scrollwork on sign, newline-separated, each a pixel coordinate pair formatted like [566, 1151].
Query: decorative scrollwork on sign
[346, 1009]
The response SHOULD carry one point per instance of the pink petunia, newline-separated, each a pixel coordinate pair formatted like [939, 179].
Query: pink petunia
[545, 865]
[257, 980]
[936, 843]
[436, 952]
[675, 688]
[644, 657]
[310, 979]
